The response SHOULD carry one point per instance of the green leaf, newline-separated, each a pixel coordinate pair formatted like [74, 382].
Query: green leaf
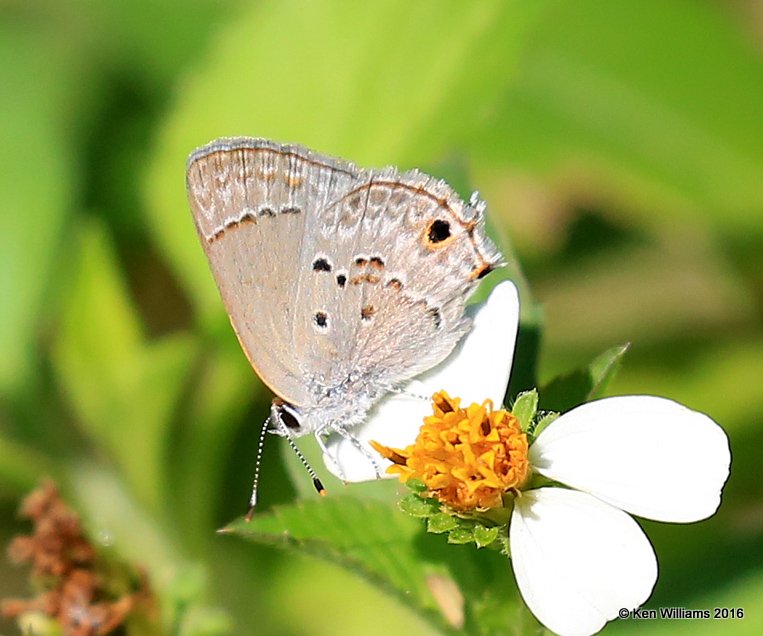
[123, 389]
[660, 100]
[584, 384]
[525, 407]
[367, 537]
[441, 522]
[416, 485]
[418, 507]
[37, 181]
[543, 422]
[392, 550]
[21, 466]
[212, 413]
[485, 536]
[461, 534]
[603, 368]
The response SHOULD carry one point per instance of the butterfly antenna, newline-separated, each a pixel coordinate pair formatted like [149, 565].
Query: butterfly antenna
[313, 475]
[255, 483]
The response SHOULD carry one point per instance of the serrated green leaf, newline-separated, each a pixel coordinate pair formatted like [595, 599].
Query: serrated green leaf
[441, 522]
[503, 539]
[367, 537]
[418, 507]
[485, 536]
[461, 534]
[525, 407]
[543, 422]
[392, 550]
[584, 384]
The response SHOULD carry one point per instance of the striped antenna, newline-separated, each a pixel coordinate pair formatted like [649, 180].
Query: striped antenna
[313, 475]
[275, 415]
[255, 483]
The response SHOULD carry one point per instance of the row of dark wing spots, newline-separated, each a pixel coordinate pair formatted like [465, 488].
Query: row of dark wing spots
[247, 218]
[321, 318]
[375, 261]
[251, 218]
[367, 312]
[322, 264]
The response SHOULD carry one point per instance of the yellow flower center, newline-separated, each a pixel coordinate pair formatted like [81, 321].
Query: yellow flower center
[467, 457]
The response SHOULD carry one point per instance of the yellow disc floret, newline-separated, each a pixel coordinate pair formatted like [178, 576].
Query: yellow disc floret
[467, 457]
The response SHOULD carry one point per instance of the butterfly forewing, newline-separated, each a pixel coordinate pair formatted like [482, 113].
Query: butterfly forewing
[251, 201]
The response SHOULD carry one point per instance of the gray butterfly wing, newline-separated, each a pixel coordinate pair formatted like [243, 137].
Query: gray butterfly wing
[252, 201]
[340, 283]
[384, 282]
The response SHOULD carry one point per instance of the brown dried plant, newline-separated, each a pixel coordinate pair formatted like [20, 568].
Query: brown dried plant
[74, 587]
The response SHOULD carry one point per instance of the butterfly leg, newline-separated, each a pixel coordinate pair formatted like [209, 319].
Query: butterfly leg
[319, 437]
[360, 447]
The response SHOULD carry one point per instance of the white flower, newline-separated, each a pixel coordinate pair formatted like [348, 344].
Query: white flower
[578, 557]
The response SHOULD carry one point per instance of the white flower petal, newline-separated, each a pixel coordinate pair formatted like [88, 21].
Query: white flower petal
[476, 370]
[577, 560]
[479, 367]
[647, 455]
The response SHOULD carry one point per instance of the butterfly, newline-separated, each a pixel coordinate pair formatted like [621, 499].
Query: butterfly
[341, 283]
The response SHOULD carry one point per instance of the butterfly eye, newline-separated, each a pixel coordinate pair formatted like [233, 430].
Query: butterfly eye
[288, 417]
[438, 231]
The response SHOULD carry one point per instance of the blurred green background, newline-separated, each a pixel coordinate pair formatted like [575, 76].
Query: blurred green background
[619, 147]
